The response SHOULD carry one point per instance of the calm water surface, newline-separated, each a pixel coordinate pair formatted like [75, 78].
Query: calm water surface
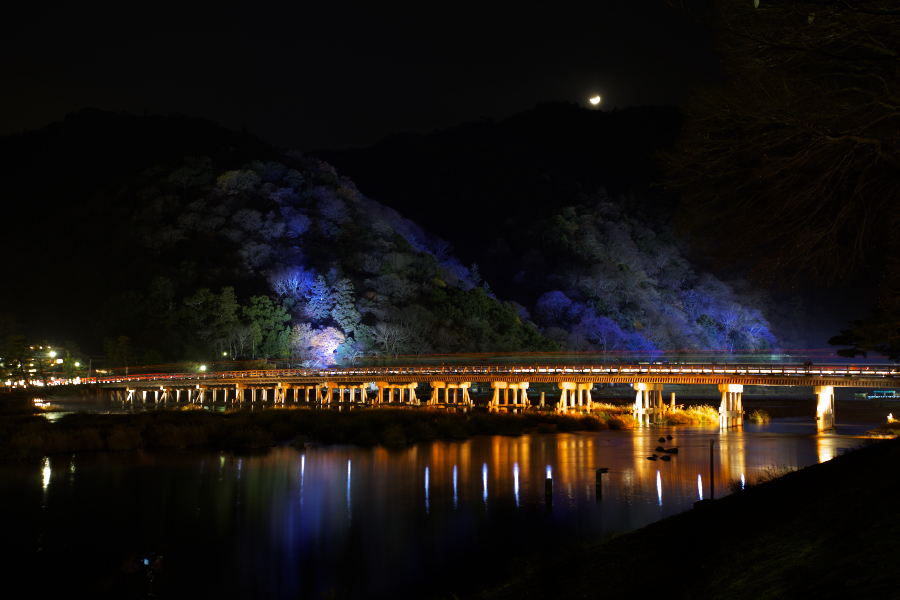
[380, 523]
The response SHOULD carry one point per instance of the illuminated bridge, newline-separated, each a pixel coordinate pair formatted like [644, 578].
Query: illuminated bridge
[449, 386]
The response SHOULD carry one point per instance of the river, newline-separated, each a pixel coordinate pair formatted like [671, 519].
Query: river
[370, 522]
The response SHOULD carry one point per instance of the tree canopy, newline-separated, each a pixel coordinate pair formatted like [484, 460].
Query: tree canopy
[794, 160]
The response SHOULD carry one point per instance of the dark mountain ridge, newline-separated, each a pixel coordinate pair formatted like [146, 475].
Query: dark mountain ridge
[196, 241]
[484, 172]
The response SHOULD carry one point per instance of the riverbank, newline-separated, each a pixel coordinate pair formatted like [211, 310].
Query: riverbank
[826, 531]
[24, 436]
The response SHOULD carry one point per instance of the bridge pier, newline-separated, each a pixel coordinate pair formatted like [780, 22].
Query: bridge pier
[461, 396]
[519, 396]
[648, 403]
[317, 397]
[574, 396]
[350, 388]
[390, 387]
[281, 392]
[731, 410]
[824, 408]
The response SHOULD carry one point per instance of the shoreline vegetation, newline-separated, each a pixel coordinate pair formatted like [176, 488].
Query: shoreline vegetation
[825, 531]
[25, 435]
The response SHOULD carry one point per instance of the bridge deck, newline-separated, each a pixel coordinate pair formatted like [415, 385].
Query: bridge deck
[769, 375]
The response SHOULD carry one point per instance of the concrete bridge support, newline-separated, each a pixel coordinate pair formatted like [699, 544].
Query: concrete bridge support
[731, 410]
[363, 396]
[350, 388]
[281, 392]
[317, 394]
[648, 403]
[400, 387]
[460, 393]
[519, 396]
[824, 407]
[574, 397]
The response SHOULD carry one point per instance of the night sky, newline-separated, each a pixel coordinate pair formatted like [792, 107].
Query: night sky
[339, 74]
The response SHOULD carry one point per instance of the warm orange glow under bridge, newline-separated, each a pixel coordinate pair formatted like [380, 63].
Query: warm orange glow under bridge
[320, 386]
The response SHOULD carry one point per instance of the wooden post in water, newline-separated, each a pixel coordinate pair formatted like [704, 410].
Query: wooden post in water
[712, 472]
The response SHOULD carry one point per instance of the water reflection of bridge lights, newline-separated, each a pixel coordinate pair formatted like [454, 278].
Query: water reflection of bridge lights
[484, 479]
[426, 490]
[349, 509]
[455, 497]
[302, 474]
[516, 481]
[743, 482]
[46, 472]
[700, 485]
[659, 487]
[825, 449]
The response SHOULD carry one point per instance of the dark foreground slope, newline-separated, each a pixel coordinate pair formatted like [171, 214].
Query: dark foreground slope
[827, 531]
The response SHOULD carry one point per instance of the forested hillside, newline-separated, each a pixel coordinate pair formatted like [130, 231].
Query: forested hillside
[555, 206]
[243, 250]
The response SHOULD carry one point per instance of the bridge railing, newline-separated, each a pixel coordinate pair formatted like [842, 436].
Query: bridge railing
[456, 370]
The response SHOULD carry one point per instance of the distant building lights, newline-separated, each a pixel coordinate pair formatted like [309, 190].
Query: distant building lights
[202, 367]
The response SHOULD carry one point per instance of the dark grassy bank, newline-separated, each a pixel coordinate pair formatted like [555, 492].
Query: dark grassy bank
[28, 436]
[826, 531]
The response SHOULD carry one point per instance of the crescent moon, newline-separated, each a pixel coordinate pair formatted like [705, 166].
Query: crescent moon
[595, 100]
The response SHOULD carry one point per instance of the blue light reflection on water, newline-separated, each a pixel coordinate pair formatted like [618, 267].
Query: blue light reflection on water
[455, 496]
[516, 478]
[252, 535]
[659, 487]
